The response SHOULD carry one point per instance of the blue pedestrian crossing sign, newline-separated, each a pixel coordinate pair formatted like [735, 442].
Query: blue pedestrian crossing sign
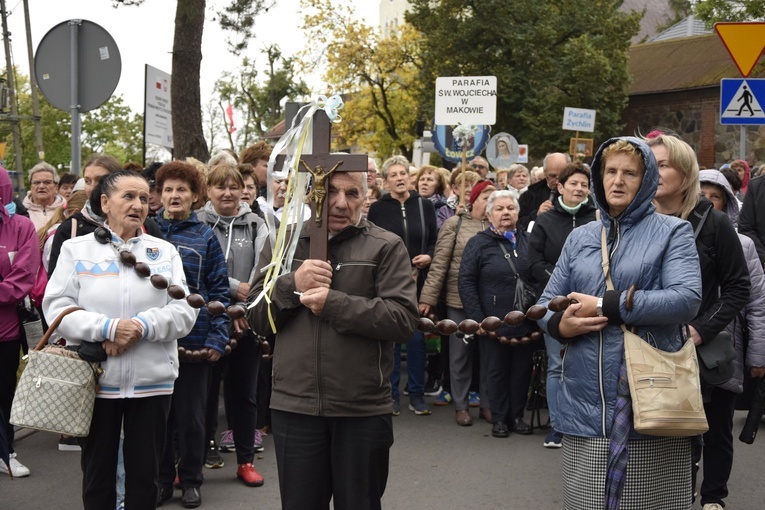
[741, 101]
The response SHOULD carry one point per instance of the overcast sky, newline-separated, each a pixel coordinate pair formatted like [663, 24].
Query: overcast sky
[144, 35]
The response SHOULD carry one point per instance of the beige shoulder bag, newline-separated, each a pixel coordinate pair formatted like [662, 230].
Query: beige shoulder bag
[664, 386]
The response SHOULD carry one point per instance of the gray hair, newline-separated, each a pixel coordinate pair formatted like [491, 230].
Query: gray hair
[392, 161]
[43, 167]
[222, 157]
[501, 194]
[516, 167]
[544, 161]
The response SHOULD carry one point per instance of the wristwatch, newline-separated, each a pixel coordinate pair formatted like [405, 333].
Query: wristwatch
[600, 307]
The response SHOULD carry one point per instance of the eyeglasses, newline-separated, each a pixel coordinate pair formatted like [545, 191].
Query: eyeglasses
[42, 183]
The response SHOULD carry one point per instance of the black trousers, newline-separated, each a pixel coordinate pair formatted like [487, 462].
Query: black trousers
[144, 421]
[186, 425]
[508, 377]
[9, 365]
[718, 446]
[321, 458]
[240, 394]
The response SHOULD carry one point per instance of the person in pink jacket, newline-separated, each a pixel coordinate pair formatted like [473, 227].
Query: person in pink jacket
[19, 261]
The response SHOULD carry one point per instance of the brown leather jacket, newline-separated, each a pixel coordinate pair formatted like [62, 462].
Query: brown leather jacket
[339, 363]
[445, 267]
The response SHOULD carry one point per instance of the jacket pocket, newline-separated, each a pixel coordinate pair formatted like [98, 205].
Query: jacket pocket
[355, 277]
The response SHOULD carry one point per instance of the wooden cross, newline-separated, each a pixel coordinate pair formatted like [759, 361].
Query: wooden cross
[320, 163]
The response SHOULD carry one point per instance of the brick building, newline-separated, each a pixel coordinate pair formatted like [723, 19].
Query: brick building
[676, 84]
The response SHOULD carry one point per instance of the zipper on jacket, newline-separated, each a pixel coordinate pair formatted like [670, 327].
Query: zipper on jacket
[317, 350]
[355, 263]
[600, 385]
[406, 227]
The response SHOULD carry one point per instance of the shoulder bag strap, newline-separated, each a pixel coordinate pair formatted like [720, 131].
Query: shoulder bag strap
[74, 228]
[509, 259]
[422, 224]
[701, 223]
[52, 327]
[605, 261]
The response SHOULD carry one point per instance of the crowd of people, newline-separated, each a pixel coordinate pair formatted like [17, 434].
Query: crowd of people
[318, 361]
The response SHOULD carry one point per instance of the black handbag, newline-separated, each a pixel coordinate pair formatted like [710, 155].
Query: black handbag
[716, 360]
[525, 295]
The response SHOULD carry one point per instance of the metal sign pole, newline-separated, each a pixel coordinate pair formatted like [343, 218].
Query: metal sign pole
[742, 144]
[74, 107]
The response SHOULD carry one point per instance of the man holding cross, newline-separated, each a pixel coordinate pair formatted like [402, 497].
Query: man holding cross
[337, 318]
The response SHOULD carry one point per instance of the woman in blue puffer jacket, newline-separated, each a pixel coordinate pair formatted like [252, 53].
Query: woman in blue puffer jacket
[655, 253]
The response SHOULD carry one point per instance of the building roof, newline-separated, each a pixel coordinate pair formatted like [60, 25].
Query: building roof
[681, 64]
[690, 26]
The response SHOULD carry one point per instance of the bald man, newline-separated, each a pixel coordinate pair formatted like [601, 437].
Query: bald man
[538, 199]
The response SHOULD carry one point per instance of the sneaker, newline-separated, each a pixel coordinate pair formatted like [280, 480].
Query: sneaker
[417, 404]
[406, 391]
[712, 506]
[259, 442]
[473, 399]
[226, 441]
[443, 399]
[68, 444]
[247, 474]
[432, 388]
[396, 408]
[213, 460]
[18, 470]
[553, 440]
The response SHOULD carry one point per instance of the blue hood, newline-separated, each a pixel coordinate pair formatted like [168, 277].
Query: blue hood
[642, 205]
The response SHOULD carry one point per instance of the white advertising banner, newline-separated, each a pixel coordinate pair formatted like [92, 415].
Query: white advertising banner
[157, 114]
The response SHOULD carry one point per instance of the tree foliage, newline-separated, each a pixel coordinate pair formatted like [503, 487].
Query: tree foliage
[378, 76]
[546, 55]
[112, 128]
[712, 11]
[185, 97]
[259, 102]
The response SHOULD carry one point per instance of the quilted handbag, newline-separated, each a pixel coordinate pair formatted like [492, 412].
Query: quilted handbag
[665, 388]
[57, 391]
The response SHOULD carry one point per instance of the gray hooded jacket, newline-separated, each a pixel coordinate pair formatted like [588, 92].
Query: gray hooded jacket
[241, 237]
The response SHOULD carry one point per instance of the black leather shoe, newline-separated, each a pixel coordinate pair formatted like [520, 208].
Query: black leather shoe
[499, 429]
[191, 498]
[521, 427]
[163, 495]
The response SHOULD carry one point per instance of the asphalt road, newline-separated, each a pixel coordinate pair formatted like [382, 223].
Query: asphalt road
[434, 464]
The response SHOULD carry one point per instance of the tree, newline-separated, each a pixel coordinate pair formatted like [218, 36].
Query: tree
[111, 128]
[546, 55]
[261, 104]
[712, 11]
[378, 77]
[185, 101]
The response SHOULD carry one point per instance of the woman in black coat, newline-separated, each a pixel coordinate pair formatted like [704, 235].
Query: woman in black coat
[487, 287]
[551, 229]
[412, 218]
[725, 291]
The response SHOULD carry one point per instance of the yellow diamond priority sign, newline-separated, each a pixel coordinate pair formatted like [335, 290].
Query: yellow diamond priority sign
[744, 41]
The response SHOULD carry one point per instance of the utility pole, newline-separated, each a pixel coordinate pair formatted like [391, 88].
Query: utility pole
[14, 119]
[33, 87]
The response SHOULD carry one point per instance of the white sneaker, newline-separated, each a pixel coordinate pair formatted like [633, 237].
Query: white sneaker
[18, 469]
[712, 506]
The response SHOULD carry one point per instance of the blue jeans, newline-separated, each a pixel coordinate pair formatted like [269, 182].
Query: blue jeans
[554, 366]
[415, 351]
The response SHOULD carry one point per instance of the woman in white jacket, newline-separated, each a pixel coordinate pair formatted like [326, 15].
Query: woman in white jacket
[137, 325]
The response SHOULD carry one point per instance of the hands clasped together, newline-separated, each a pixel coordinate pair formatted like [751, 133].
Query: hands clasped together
[312, 280]
[581, 316]
[128, 333]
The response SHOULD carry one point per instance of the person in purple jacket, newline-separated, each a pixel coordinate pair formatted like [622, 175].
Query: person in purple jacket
[19, 260]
